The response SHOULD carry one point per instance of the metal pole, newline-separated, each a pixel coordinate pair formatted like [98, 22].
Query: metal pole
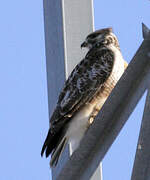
[141, 168]
[111, 118]
[66, 25]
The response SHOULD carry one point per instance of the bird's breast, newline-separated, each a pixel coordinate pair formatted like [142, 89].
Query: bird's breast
[84, 117]
[101, 96]
[117, 71]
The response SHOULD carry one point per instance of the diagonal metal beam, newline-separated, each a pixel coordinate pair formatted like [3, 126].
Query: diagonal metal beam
[145, 31]
[111, 118]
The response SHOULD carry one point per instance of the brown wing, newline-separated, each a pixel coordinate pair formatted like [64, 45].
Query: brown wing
[83, 83]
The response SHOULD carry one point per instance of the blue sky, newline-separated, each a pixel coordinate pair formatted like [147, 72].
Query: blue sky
[23, 92]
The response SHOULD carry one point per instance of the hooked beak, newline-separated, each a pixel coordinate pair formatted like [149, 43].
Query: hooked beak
[84, 44]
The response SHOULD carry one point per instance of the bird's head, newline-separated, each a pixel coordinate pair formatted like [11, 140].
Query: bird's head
[100, 38]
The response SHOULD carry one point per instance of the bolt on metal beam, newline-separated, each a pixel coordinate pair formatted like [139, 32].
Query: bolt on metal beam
[111, 118]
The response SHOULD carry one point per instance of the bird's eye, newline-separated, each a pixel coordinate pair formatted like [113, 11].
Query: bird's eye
[97, 44]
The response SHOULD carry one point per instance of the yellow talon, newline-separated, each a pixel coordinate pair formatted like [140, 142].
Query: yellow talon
[91, 120]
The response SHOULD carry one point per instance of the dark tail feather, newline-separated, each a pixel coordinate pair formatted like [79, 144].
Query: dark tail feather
[58, 151]
[54, 144]
[46, 146]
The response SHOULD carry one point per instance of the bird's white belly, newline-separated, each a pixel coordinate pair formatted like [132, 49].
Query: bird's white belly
[78, 126]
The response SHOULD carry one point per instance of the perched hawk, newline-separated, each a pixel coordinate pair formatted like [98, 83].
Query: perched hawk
[85, 92]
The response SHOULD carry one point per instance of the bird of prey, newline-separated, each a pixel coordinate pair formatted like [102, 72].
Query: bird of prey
[84, 92]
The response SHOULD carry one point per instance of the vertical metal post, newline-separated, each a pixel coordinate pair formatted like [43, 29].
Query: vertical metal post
[141, 169]
[66, 25]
